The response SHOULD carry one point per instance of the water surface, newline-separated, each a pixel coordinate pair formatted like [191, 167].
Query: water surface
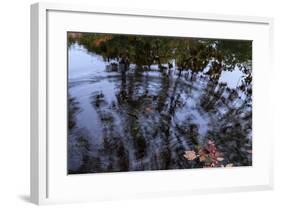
[129, 120]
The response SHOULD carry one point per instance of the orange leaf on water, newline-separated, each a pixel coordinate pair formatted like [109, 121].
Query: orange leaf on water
[190, 155]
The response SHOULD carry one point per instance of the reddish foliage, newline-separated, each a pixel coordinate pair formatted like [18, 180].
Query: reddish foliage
[208, 154]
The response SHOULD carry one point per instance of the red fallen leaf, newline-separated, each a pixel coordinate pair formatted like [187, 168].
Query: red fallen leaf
[190, 155]
[208, 155]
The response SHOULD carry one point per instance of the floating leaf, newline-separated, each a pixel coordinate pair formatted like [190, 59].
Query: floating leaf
[202, 158]
[190, 155]
[202, 155]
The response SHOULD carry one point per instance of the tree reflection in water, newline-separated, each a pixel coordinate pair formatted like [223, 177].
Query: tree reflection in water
[140, 102]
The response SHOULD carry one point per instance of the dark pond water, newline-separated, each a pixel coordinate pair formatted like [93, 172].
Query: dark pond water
[129, 120]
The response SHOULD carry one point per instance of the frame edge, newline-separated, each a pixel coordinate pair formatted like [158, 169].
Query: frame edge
[38, 89]
[38, 98]
[34, 153]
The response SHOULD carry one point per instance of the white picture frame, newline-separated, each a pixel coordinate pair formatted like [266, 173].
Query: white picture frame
[49, 182]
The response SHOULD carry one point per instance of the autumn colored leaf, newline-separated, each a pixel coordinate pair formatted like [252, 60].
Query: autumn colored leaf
[190, 155]
[202, 158]
[207, 154]
[202, 155]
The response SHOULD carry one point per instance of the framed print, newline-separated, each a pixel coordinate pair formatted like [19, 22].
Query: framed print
[133, 103]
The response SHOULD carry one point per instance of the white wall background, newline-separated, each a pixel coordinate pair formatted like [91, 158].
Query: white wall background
[14, 102]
